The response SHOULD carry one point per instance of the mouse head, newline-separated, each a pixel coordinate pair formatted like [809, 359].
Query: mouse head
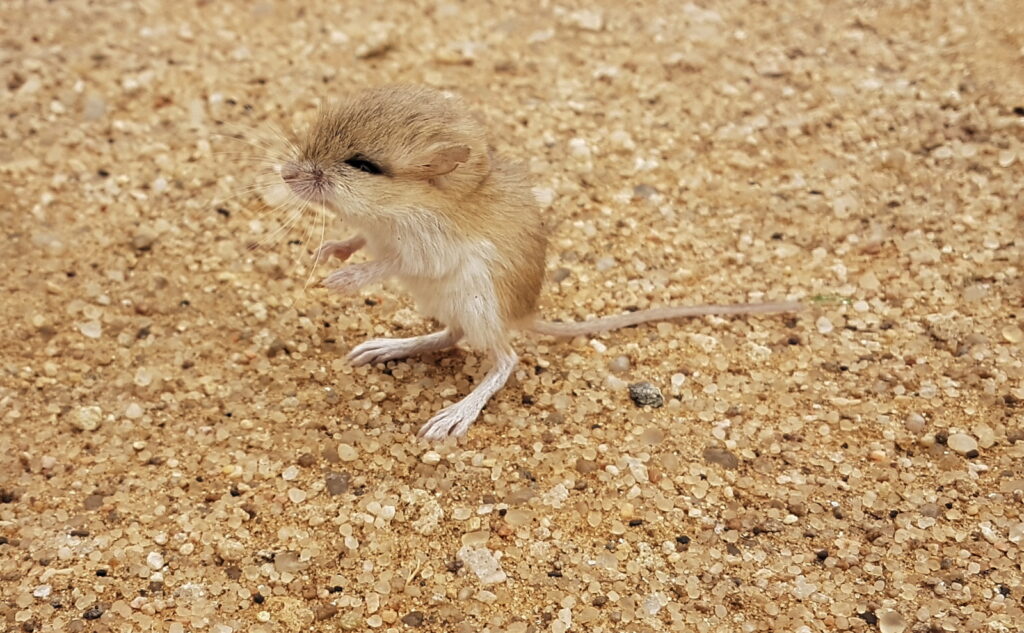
[387, 148]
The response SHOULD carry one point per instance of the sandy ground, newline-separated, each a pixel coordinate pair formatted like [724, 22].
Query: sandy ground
[185, 449]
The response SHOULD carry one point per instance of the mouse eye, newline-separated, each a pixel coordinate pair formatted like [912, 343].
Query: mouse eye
[364, 164]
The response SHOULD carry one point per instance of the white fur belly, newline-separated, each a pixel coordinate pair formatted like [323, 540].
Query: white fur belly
[464, 299]
[449, 278]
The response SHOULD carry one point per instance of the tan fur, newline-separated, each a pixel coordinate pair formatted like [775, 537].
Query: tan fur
[436, 155]
[413, 172]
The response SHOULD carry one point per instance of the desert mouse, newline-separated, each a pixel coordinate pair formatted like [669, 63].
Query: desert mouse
[412, 171]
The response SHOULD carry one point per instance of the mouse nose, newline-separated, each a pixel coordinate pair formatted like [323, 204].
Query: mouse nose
[290, 172]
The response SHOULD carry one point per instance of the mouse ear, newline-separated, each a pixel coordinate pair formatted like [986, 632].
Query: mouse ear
[441, 162]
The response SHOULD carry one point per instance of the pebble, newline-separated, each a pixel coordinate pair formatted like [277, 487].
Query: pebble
[1013, 334]
[915, 423]
[290, 473]
[413, 618]
[42, 591]
[962, 443]
[347, 453]
[87, 418]
[144, 239]
[155, 561]
[91, 329]
[337, 483]
[325, 612]
[891, 622]
[644, 394]
[133, 411]
[93, 613]
[289, 562]
[619, 364]
[431, 458]
[483, 564]
[722, 457]
[824, 325]
[296, 495]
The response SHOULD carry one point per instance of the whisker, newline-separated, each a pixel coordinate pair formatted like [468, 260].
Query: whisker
[316, 260]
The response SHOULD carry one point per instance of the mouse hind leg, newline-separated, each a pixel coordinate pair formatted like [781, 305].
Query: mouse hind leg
[456, 419]
[380, 350]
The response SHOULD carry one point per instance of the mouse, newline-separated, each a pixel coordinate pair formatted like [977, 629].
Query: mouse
[411, 170]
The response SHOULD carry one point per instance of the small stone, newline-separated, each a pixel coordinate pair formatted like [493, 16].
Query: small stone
[296, 495]
[722, 457]
[93, 614]
[431, 458]
[325, 612]
[824, 325]
[1013, 334]
[915, 423]
[619, 364]
[413, 618]
[230, 550]
[306, 460]
[482, 563]
[347, 453]
[42, 591]
[87, 418]
[891, 622]
[133, 411]
[93, 502]
[644, 394]
[144, 239]
[289, 562]
[337, 483]
[155, 561]
[962, 443]
[290, 473]
[91, 329]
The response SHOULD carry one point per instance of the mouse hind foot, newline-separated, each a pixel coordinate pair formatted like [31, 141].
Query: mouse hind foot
[381, 350]
[455, 420]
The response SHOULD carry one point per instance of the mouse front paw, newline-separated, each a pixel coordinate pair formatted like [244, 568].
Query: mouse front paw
[451, 421]
[340, 249]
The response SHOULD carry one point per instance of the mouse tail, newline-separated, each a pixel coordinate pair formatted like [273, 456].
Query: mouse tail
[605, 324]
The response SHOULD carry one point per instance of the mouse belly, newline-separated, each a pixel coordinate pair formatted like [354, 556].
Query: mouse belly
[464, 300]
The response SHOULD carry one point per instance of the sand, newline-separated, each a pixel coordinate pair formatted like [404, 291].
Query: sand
[185, 448]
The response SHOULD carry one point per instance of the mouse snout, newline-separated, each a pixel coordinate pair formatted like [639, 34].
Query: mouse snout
[304, 180]
[290, 173]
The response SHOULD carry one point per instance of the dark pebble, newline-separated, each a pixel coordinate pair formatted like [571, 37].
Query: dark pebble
[325, 612]
[337, 483]
[93, 613]
[683, 540]
[79, 532]
[413, 618]
[644, 394]
[258, 598]
[600, 601]
[869, 617]
[306, 460]
[821, 554]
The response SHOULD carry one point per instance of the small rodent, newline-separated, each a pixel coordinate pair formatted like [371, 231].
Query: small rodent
[459, 227]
